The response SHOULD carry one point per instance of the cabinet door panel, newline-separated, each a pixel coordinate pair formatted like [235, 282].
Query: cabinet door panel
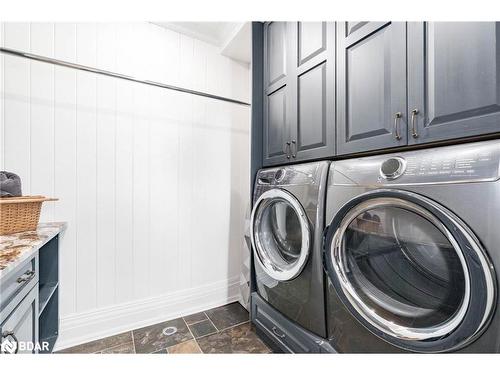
[23, 322]
[311, 124]
[313, 89]
[299, 101]
[311, 40]
[372, 88]
[276, 51]
[453, 79]
[276, 133]
[276, 92]
[352, 26]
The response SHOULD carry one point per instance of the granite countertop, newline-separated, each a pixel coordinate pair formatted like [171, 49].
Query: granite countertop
[17, 247]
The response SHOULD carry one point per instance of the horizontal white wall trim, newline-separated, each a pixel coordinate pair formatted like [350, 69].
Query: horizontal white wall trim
[83, 327]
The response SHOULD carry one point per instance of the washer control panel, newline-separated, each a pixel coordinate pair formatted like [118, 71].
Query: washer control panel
[308, 174]
[292, 175]
[471, 162]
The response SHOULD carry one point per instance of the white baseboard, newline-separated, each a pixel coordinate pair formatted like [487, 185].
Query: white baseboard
[91, 325]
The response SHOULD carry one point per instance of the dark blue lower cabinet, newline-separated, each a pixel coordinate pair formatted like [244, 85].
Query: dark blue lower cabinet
[19, 331]
[29, 304]
[48, 319]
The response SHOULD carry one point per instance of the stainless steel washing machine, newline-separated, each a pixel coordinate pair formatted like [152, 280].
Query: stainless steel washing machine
[411, 248]
[286, 228]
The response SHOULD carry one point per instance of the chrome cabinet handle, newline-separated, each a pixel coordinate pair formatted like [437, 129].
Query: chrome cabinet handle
[22, 279]
[397, 117]
[280, 335]
[28, 275]
[287, 150]
[414, 114]
[294, 153]
[11, 334]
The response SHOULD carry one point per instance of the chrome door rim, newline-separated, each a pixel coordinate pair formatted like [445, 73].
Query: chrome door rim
[337, 254]
[260, 252]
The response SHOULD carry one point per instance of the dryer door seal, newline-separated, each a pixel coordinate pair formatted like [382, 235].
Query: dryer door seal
[410, 270]
[280, 234]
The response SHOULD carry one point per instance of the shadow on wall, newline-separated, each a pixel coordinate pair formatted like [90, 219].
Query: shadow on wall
[240, 197]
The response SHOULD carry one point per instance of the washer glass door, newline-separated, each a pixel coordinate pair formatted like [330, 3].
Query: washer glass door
[401, 270]
[280, 234]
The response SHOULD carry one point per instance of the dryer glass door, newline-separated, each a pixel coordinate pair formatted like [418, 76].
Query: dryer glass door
[280, 234]
[402, 270]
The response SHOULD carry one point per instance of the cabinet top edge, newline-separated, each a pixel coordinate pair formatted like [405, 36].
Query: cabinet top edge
[18, 247]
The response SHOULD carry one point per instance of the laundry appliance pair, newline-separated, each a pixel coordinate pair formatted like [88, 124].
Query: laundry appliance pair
[387, 253]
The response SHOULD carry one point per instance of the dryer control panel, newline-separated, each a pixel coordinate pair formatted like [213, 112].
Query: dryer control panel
[474, 162]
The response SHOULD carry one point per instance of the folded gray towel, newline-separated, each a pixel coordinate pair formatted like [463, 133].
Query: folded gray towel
[10, 185]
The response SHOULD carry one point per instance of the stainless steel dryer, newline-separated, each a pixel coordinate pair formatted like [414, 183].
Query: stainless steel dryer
[287, 223]
[411, 249]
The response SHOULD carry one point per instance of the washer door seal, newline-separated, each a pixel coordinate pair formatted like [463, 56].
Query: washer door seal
[371, 276]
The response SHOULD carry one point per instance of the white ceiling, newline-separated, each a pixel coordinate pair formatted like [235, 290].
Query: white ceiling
[233, 38]
[239, 45]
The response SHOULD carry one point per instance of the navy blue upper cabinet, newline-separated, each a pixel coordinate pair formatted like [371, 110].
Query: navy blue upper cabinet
[299, 98]
[313, 90]
[453, 80]
[352, 87]
[276, 135]
[371, 86]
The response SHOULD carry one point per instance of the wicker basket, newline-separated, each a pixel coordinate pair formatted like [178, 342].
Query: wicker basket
[20, 214]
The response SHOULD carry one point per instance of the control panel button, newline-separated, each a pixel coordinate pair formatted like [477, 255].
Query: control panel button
[392, 168]
[279, 175]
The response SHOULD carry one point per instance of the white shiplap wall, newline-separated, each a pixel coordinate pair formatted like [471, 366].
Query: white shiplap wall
[153, 183]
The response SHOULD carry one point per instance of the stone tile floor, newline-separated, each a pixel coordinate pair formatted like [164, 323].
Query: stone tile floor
[224, 329]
